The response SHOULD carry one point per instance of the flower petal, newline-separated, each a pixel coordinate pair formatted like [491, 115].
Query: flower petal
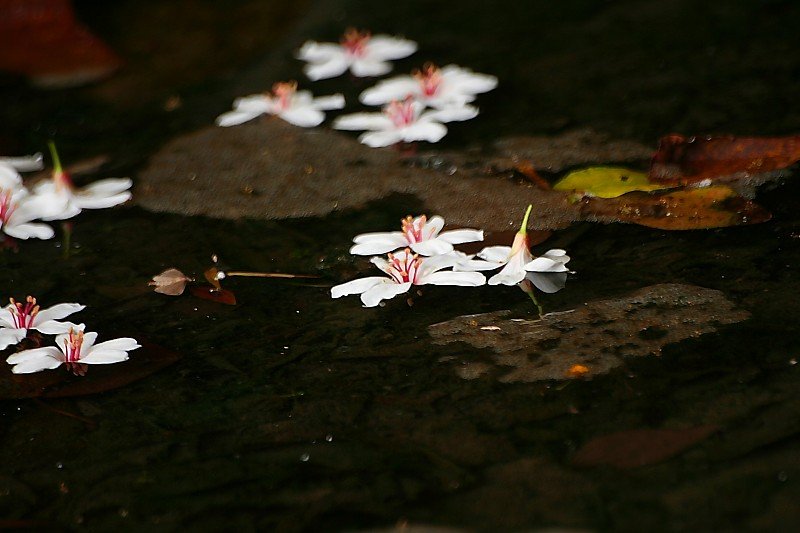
[357, 286]
[460, 236]
[104, 357]
[30, 366]
[123, 344]
[318, 52]
[497, 254]
[88, 200]
[303, 116]
[54, 327]
[451, 114]
[236, 117]
[424, 131]
[57, 312]
[26, 231]
[333, 66]
[380, 139]
[36, 353]
[387, 47]
[433, 226]
[543, 264]
[326, 103]
[9, 178]
[11, 336]
[363, 121]
[548, 282]
[384, 291]
[108, 186]
[26, 163]
[432, 247]
[447, 277]
[369, 67]
[511, 274]
[381, 243]
[385, 91]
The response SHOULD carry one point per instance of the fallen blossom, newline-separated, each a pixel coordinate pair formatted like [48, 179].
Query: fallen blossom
[59, 199]
[423, 236]
[406, 269]
[17, 211]
[285, 101]
[362, 53]
[403, 122]
[74, 348]
[171, 282]
[432, 86]
[17, 318]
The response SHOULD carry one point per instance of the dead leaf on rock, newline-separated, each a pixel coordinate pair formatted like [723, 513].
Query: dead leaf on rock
[598, 335]
[639, 447]
[681, 160]
[709, 207]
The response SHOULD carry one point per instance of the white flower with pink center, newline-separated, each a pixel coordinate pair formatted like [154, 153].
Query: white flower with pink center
[406, 269]
[362, 53]
[547, 272]
[423, 236]
[285, 101]
[73, 348]
[403, 122]
[59, 199]
[17, 318]
[17, 210]
[434, 87]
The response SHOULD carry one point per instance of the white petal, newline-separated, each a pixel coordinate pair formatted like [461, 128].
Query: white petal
[383, 291]
[303, 116]
[496, 254]
[9, 178]
[357, 286]
[465, 81]
[85, 200]
[30, 366]
[123, 344]
[104, 357]
[433, 226]
[54, 327]
[548, 282]
[11, 336]
[386, 47]
[318, 52]
[36, 353]
[432, 247]
[334, 66]
[25, 163]
[57, 312]
[379, 236]
[460, 236]
[543, 264]
[236, 117]
[451, 114]
[326, 103]
[363, 121]
[386, 242]
[447, 277]
[380, 139]
[108, 186]
[438, 262]
[424, 131]
[26, 231]
[368, 67]
[392, 89]
[471, 265]
[511, 274]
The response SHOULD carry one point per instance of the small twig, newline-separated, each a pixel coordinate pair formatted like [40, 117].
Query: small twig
[229, 273]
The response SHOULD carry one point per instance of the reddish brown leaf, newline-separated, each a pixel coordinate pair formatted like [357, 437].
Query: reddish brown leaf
[60, 383]
[639, 447]
[681, 160]
[206, 292]
[709, 207]
[526, 168]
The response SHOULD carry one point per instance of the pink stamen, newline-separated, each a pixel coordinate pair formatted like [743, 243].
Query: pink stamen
[6, 207]
[404, 269]
[23, 314]
[401, 113]
[72, 346]
[412, 229]
[429, 78]
[355, 42]
[283, 93]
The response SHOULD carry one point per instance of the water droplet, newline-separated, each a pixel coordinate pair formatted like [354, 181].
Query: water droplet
[59, 465]
[329, 437]
[305, 457]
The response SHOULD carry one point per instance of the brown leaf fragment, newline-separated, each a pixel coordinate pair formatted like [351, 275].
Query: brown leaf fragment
[693, 208]
[639, 447]
[684, 160]
[221, 296]
[171, 282]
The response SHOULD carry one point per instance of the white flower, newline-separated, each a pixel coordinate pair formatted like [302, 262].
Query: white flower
[361, 52]
[420, 234]
[25, 163]
[403, 121]
[74, 348]
[295, 107]
[17, 210]
[434, 87]
[10, 180]
[406, 269]
[517, 262]
[17, 318]
[58, 199]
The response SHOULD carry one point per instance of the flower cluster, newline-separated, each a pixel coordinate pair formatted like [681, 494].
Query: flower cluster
[446, 91]
[426, 250]
[74, 347]
[53, 199]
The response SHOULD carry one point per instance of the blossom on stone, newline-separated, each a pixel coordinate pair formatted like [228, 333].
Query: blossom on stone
[423, 236]
[361, 52]
[517, 261]
[403, 122]
[26, 163]
[73, 348]
[406, 269]
[285, 101]
[435, 87]
[17, 318]
[17, 211]
[59, 199]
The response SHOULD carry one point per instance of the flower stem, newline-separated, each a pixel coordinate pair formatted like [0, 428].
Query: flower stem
[54, 154]
[266, 275]
[523, 230]
[536, 302]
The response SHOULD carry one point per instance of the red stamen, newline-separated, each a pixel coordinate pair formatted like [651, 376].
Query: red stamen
[23, 314]
[72, 346]
[355, 42]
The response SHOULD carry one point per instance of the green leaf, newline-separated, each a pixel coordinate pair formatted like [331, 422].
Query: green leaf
[606, 182]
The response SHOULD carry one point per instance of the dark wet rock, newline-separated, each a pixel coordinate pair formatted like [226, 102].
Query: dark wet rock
[597, 336]
[269, 169]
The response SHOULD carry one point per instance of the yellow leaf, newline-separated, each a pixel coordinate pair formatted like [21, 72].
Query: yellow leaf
[606, 182]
